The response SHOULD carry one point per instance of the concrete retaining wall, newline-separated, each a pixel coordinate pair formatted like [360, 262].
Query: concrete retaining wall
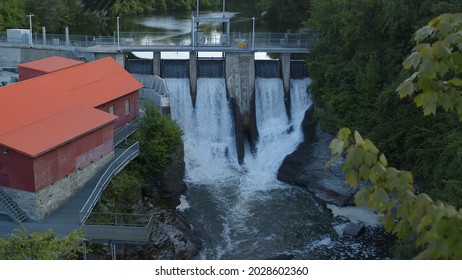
[11, 56]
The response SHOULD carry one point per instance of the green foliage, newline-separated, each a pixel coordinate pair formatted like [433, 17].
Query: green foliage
[160, 138]
[127, 186]
[390, 193]
[50, 13]
[355, 70]
[12, 14]
[437, 61]
[124, 7]
[435, 226]
[41, 245]
[277, 14]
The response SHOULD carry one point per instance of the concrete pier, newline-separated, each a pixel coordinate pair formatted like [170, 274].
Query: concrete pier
[240, 83]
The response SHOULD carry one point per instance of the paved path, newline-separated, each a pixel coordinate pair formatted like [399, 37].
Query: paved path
[65, 219]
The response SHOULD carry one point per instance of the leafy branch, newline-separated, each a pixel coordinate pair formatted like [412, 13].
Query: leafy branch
[436, 82]
[390, 193]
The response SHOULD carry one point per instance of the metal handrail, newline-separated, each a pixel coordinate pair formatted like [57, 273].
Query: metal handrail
[296, 40]
[104, 180]
[120, 232]
[117, 219]
[125, 131]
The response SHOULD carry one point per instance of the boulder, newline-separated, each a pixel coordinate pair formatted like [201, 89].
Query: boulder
[353, 229]
[171, 186]
[305, 167]
[171, 239]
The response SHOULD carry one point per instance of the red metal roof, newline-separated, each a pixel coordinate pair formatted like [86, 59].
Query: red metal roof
[50, 64]
[47, 134]
[43, 113]
[98, 82]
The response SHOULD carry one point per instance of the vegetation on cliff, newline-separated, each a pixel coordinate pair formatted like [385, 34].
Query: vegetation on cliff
[435, 85]
[160, 138]
[356, 68]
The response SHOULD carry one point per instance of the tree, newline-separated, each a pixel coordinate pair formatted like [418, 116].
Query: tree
[41, 245]
[12, 15]
[160, 138]
[355, 69]
[436, 83]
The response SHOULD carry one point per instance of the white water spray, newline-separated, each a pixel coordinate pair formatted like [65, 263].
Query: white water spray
[212, 169]
[210, 152]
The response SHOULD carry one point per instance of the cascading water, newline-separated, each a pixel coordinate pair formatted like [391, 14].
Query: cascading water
[243, 211]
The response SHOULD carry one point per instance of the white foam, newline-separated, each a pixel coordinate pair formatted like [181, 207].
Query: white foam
[355, 214]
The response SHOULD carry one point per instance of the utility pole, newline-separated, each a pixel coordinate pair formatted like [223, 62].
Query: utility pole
[223, 24]
[253, 33]
[118, 34]
[30, 29]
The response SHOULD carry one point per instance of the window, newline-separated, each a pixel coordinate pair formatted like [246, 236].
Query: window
[127, 107]
[112, 109]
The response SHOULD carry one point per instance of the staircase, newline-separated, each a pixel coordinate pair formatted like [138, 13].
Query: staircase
[83, 55]
[12, 208]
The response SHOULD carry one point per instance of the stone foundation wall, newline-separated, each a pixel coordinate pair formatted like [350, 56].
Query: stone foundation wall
[38, 205]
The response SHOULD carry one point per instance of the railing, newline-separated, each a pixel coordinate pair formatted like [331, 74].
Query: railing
[125, 131]
[296, 41]
[118, 227]
[116, 165]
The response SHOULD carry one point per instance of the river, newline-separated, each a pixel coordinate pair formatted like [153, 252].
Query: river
[243, 211]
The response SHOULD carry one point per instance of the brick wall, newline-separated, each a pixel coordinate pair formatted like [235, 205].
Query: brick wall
[38, 205]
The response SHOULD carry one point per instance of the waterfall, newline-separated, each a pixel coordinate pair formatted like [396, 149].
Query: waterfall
[210, 148]
[277, 135]
[241, 210]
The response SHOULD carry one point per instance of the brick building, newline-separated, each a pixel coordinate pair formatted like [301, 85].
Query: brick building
[56, 130]
[45, 66]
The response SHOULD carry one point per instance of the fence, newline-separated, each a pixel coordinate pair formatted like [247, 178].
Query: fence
[300, 41]
[117, 227]
[116, 165]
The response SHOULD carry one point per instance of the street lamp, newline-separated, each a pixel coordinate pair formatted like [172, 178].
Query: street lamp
[30, 29]
[253, 33]
[118, 34]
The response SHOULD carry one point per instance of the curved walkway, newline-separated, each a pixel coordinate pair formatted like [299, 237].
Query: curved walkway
[63, 220]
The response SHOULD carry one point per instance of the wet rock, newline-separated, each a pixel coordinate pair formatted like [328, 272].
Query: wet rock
[353, 229]
[171, 186]
[305, 167]
[285, 256]
[171, 239]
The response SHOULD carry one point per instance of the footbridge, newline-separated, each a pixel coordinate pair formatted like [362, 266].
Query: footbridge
[23, 46]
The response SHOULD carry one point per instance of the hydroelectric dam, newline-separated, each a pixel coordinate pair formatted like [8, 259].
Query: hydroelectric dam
[240, 117]
[237, 75]
[237, 65]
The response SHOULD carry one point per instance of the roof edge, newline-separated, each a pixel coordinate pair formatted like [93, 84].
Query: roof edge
[61, 144]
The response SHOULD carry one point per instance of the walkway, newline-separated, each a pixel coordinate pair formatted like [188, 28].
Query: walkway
[290, 42]
[65, 219]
